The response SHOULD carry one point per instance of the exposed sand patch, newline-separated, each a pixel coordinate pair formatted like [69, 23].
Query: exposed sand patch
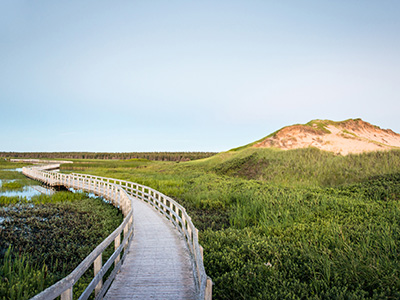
[351, 136]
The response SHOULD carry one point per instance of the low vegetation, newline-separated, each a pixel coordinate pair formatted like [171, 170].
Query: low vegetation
[43, 239]
[299, 224]
[158, 156]
[12, 185]
[11, 179]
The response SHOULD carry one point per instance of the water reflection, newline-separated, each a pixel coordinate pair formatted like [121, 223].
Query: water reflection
[6, 180]
[90, 195]
[13, 170]
[29, 191]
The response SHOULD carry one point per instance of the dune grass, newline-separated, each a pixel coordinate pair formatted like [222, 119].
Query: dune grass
[299, 224]
[308, 167]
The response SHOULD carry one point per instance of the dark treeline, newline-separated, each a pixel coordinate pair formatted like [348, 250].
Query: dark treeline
[159, 156]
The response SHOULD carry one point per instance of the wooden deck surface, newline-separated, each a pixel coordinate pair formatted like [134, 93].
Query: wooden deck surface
[158, 265]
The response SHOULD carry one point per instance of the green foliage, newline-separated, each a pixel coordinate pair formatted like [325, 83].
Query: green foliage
[21, 277]
[9, 175]
[322, 124]
[383, 187]
[12, 185]
[57, 231]
[18, 179]
[158, 156]
[248, 264]
[5, 164]
[5, 201]
[308, 167]
[301, 224]
[105, 164]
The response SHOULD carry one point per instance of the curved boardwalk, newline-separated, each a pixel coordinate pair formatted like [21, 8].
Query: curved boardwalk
[164, 259]
[158, 265]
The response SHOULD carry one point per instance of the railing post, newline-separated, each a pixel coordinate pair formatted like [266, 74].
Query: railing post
[170, 208]
[154, 198]
[195, 238]
[97, 267]
[126, 230]
[208, 294]
[122, 205]
[67, 295]
[190, 233]
[131, 221]
[118, 195]
[117, 243]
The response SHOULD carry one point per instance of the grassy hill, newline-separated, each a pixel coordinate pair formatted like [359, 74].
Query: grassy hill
[295, 224]
[306, 167]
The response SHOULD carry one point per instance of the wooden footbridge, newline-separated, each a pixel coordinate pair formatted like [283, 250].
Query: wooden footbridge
[157, 254]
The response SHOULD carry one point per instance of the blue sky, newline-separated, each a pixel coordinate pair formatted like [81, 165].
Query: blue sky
[125, 76]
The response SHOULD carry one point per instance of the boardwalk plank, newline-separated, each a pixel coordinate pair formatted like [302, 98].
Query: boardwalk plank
[158, 265]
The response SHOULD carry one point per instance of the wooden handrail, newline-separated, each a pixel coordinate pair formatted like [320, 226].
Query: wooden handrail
[177, 215]
[112, 189]
[118, 197]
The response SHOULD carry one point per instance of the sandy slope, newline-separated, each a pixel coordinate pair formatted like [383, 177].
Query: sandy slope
[351, 136]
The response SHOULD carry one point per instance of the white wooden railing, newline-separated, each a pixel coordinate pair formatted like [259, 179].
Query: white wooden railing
[119, 198]
[117, 192]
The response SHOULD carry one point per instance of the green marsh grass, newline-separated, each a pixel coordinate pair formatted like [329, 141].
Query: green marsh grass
[299, 224]
[52, 232]
[12, 185]
[5, 164]
[19, 179]
[21, 277]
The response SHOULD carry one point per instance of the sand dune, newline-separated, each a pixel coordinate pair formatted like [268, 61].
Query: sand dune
[350, 136]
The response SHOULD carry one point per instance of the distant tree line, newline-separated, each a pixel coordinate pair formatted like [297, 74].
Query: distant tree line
[159, 156]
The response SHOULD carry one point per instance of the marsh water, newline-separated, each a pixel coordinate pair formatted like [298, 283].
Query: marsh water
[27, 191]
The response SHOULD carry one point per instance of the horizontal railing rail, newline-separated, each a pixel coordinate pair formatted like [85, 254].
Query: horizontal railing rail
[119, 198]
[168, 207]
[177, 215]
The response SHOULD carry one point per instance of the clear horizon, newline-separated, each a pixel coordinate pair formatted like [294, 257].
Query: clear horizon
[132, 76]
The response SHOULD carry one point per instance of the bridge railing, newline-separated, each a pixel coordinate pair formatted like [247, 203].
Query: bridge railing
[119, 198]
[176, 214]
[109, 187]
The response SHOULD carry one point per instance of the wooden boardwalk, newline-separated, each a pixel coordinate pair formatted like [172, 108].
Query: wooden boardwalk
[158, 265]
[164, 259]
